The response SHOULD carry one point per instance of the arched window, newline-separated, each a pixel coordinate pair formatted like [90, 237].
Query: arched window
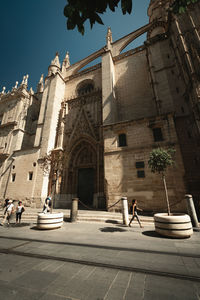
[85, 87]
[122, 140]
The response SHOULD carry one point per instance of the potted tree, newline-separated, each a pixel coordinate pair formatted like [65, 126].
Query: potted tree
[168, 224]
[51, 220]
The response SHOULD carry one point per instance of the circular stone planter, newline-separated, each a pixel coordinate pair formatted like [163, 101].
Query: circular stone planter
[175, 225]
[49, 221]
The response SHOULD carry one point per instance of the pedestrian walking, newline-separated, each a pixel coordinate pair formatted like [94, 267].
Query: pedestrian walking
[5, 205]
[19, 210]
[47, 205]
[9, 210]
[134, 212]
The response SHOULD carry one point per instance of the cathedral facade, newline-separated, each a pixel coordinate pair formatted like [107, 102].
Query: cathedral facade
[87, 133]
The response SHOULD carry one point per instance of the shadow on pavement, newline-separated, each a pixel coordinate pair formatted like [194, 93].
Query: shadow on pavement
[67, 219]
[39, 229]
[152, 233]
[112, 229]
[17, 225]
[112, 221]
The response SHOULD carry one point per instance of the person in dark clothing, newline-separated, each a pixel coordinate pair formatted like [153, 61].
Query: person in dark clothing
[19, 210]
[5, 203]
[134, 209]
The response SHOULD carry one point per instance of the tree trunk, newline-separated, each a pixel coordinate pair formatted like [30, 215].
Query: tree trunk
[53, 196]
[166, 194]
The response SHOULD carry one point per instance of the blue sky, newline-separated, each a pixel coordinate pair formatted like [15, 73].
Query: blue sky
[32, 31]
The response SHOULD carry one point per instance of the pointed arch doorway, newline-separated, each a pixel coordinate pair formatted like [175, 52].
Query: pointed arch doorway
[85, 173]
[85, 186]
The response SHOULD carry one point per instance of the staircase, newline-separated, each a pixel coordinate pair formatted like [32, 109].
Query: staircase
[30, 216]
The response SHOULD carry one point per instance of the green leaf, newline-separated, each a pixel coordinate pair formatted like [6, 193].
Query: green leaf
[126, 6]
[113, 4]
[181, 9]
[81, 29]
[160, 159]
[98, 19]
[78, 11]
[70, 24]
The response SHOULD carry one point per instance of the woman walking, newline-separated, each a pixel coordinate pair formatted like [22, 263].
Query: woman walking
[134, 211]
[19, 210]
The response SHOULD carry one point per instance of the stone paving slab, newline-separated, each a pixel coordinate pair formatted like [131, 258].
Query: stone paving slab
[74, 281]
[48, 267]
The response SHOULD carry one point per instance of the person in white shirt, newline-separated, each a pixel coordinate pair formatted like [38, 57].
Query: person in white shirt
[8, 212]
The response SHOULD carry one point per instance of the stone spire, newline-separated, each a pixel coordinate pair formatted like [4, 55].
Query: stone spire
[16, 84]
[25, 80]
[109, 38]
[66, 62]
[3, 91]
[31, 91]
[40, 86]
[54, 66]
[15, 87]
[55, 61]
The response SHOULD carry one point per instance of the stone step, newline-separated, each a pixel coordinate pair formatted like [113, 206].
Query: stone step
[30, 216]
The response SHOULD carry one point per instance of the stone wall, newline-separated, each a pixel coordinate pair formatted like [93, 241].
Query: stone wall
[121, 171]
[133, 90]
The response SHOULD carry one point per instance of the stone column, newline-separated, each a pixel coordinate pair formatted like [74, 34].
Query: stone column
[191, 210]
[125, 210]
[74, 210]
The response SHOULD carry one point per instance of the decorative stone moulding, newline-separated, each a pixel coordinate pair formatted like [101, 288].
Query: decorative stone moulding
[49, 221]
[176, 225]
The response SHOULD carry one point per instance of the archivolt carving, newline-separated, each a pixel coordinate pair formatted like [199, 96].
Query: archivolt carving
[82, 155]
[82, 127]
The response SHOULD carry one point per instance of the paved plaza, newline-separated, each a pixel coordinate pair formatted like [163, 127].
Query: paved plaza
[97, 261]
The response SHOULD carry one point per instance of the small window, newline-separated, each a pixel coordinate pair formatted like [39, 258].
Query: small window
[139, 164]
[122, 140]
[13, 166]
[140, 174]
[13, 177]
[1, 118]
[30, 175]
[157, 134]
[34, 164]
